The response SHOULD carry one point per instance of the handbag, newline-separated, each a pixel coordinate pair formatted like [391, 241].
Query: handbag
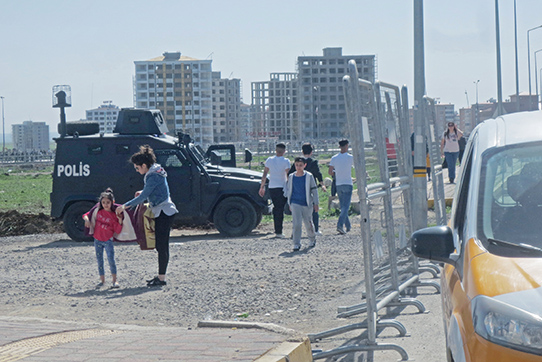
[444, 164]
[144, 226]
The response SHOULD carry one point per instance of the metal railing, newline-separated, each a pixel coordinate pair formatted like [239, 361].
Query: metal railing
[377, 113]
[433, 145]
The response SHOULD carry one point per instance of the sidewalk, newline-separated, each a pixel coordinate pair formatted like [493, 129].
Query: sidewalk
[47, 340]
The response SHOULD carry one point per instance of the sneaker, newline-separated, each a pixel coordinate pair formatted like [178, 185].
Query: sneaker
[319, 233]
[341, 231]
[115, 285]
[296, 249]
[312, 244]
[156, 282]
[99, 285]
[280, 236]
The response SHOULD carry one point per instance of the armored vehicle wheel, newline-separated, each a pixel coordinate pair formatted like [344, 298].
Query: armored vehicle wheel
[74, 225]
[259, 218]
[235, 216]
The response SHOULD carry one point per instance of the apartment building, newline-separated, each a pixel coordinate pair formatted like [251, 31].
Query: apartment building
[226, 95]
[445, 112]
[321, 97]
[181, 88]
[275, 108]
[30, 136]
[106, 115]
[245, 123]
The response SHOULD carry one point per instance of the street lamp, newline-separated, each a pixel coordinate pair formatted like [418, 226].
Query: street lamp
[477, 107]
[529, 63]
[536, 76]
[62, 95]
[3, 129]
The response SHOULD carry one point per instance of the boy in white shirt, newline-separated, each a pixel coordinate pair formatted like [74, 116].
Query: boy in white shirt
[341, 166]
[277, 167]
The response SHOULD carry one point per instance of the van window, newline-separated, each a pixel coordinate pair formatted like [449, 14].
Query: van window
[511, 195]
[461, 216]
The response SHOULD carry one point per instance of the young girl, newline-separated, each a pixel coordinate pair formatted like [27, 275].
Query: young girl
[104, 222]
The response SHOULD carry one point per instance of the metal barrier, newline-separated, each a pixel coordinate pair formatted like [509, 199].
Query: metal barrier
[21, 158]
[433, 144]
[378, 114]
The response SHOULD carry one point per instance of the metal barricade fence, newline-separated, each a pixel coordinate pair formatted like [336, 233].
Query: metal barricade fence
[376, 114]
[433, 144]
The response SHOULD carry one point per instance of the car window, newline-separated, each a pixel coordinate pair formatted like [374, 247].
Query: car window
[511, 195]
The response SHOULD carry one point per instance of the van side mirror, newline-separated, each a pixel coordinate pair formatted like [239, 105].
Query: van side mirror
[434, 243]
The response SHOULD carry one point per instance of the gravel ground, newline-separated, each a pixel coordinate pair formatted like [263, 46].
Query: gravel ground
[254, 278]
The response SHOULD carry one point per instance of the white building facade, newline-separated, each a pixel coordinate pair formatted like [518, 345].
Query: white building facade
[181, 88]
[106, 115]
[31, 136]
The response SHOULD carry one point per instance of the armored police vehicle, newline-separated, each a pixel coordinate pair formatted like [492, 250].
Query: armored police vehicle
[87, 162]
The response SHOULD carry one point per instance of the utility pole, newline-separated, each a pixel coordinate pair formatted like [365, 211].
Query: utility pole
[500, 109]
[419, 192]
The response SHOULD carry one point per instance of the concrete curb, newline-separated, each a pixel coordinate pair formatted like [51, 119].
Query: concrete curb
[255, 325]
[289, 352]
[296, 348]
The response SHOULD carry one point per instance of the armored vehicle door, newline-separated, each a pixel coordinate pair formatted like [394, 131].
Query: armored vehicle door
[183, 181]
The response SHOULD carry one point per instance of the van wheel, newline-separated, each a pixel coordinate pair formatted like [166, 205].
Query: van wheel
[74, 225]
[234, 216]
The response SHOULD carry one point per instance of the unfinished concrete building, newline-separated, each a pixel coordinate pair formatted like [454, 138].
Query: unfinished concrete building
[275, 108]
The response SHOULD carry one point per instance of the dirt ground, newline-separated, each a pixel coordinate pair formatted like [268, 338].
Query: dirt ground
[254, 278]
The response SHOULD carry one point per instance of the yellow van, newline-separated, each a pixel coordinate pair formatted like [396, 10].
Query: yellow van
[492, 279]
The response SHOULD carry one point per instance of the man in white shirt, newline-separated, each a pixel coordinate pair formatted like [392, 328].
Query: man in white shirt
[341, 167]
[277, 167]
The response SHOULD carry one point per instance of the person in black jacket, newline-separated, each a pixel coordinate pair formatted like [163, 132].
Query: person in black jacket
[314, 169]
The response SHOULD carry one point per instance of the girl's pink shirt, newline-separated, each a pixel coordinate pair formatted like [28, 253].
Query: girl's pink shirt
[107, 224]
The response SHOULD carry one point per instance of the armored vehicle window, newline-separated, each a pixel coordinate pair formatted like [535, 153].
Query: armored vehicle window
[159, 118]
[171, 159]
[95, 150]
[123, 149]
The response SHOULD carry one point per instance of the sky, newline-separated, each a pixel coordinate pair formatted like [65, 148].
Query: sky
[92, 45]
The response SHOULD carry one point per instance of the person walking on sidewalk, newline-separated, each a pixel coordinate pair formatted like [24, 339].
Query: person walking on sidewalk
[449, 148]
[311, 165]
[302, 194]
[340, 167]
[277, 168]
[156, 191]
[103, 223]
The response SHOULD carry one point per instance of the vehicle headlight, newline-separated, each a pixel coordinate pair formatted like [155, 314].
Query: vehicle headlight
[504, 324]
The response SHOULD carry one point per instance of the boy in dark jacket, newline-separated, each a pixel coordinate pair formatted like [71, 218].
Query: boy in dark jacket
[311, 166]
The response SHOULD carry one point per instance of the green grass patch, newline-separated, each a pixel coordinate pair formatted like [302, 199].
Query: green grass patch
[25, 192]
